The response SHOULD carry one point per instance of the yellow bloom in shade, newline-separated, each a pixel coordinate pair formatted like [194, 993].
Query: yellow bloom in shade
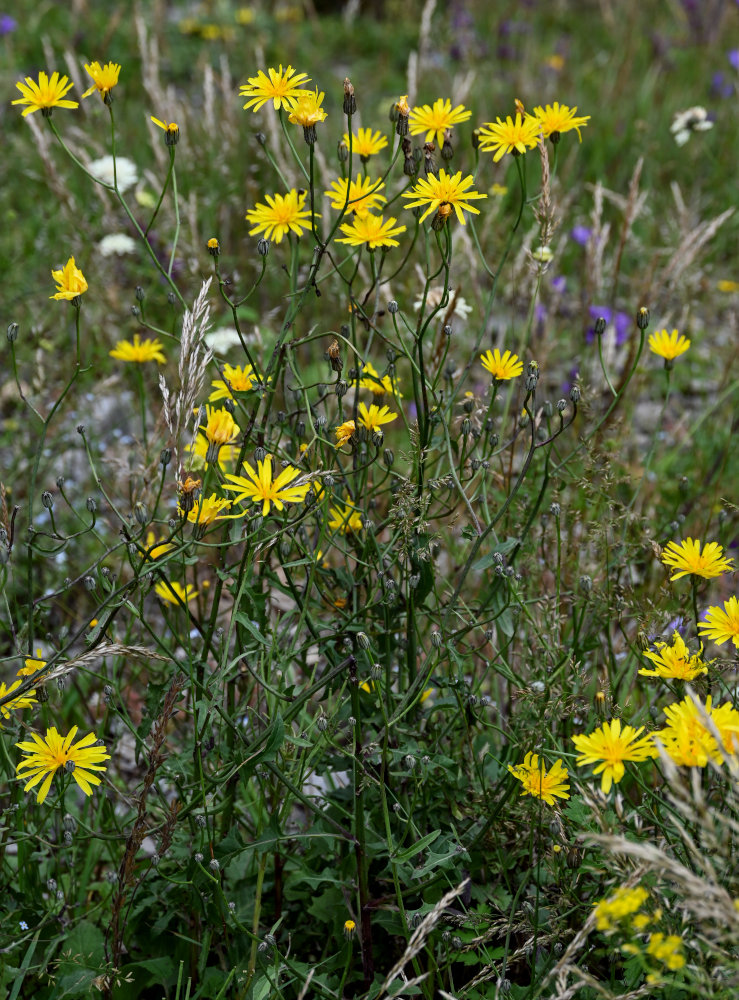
[280, 86]
[687, 558]
[174, 593]
[378, 386]
[349, 928]
[70, 281]
[306, 109]
[434, 121]
[509, 136]
[45, 755]
[619, 905]
[207, 510]
[502, 366]
[19, 702]
[668, 345]
[667, 950]
[48, 93]
[235, 379]
[609, 746]
[140, 351]
[31, 665]
[371, 231]
[344, 433]
[722, 624]
[374, 417]
[220, 429]
[155, 549]
[104, 78]
[364, 195]
[444, 190]
[557, 118]
[675, 662]
[345, 518]
[539, 782]
[281, 215]
[260, 486]
[687, 737]
[366, 143]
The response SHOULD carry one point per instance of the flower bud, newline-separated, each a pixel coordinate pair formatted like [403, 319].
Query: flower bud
[171, 298]
[341, 388]
[141, 513]
[436, 639]
[165, 457]
[586, 584]
[12, 332]
[600, 326]
[363, 640]
[388, 457]
[342, 151]
[642, 318]
[139, 293]
[561, 405]
[349, 106]
[214, 865]
[377, 438]
[392, 307]
[214, 247]
[261, 138]
[91, 504]
[575, 394]
[409, 762]
[47, 500]
[321, 723]
[555, 509]
[263, 247]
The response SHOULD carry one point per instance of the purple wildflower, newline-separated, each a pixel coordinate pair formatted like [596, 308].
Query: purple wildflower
[580, 234]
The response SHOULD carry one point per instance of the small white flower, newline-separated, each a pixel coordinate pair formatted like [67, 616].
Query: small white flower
[126, 171]
[686, 122]
[116, 244]
[434, 297]
[222, 340]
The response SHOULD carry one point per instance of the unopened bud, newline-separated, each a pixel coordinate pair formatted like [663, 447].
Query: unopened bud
[47, 500]
[575, 394]
[91, 504]
[350, 102]
[165, 457]
[642, 318]
[341, 388]
[342, 151]
[363, 640]
[263, 247]
[214, 247]
[436, 639]
[388, 457]
[141, 513]
[561, 405]
[139, 293]
[600, 326]
[12, 332]
[392, 307]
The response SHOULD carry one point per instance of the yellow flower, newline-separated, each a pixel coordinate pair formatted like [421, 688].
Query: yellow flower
[47, 754]
[539, 782]
[378, 386]
[171, 130]
[667, 950]
[235, 379]
[282, 214]
[722, 624]
[366, 143]
[501, 366]
[372, 231]
[207, 510]
[220, 429]
[281, 87]
[349, 928]
[139, 351]
[70, 281]
[345, 518]
[306, 110]
[675, 661]
[444, 190]
[104, 78]
[30, 665]
[155, 549]
[364, 195]
[48, 93]
[557, 118]
[174, 592]
[402, 106]
[726, 285]
[620, 904]
[344, 433]
[434, 121]
[498, 190]
[21, 700]
[509, 136]
[374, 417]
[260, 486]
[609, 746]
[687, 557]
[199, 449]
[688, 740]
[668, 345]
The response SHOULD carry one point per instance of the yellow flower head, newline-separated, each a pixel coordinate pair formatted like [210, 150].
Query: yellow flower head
[675, 661]
[502, 366]
[539, 782]
[722, 624]
[155, 549]
[349, 928]
[373, 418]
[171, 130]
[345, 518]
[281, 215]
[207, 510]
[509, 136]
[45, 755]
[366, 143]
[20, 701]
[378, 386]
[31, 665]
[199, 450]
[140, 351]
[48, 93]
[372, 231]
[687, 737]
[619, 905]
[280, 86]
[668, 345]
[70, 281]
[444, 190]
[402, 106]
[434, 121]
[557, 118]
[609, 746]
[260, 486]
[667, 950]
[220, 429]
[344, 433]
[306, 110]
[364, 195]
[235, 379]
[687, 558]
[174, 593]
[104, 78]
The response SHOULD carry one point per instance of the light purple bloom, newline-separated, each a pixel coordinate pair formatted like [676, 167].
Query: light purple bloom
[580, 234]
[7, 24]
[559, 284]
[734, 58]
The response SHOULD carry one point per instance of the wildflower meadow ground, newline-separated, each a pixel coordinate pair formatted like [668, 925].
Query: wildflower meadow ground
[369, 608]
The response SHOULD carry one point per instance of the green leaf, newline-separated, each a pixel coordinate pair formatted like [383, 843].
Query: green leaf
[414, 849]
